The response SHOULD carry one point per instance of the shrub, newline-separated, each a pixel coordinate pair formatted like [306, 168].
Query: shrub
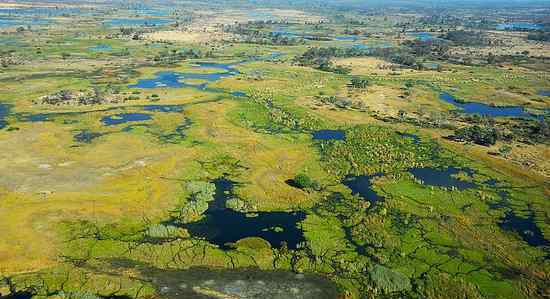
[303, 181]
[478, 135]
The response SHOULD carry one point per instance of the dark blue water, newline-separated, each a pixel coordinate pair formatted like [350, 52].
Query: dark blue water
[526, 228]
[423, 36]
[442, 177]
[222, 225]
[42, 11]
[238, 94]
[124, 118]
[86, 136]
[362, 186]
[329, 135]
[4, 111]
[18, 295]
[486, 110]
[177, 79]
[351, 38]
[519, 26]
[101, 48]
[148, 22]
[163, 108]
[8, 42]
[15, 22]
[544, 93]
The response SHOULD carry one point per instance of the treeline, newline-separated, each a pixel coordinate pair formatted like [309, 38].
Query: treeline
[174, 56]
[467, 38]
[320, 58]
[487, 132]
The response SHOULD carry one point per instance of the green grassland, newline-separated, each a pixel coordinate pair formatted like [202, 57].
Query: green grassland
[90, 219]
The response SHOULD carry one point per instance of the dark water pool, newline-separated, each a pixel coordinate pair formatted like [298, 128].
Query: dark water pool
[423, 36]
[223, 226]
[8, 21]
[177, 79]
[362, 186]
[124, 118]
[86, 136]
[443, 177]
[101, 48]
[544, 93]
[486, 110]
[526, 228]
[147, 22]
[203, 283]
[519, 26]
[239, 94]
[351, 38]
[4, 111]
[163, 108]
[329, 135]
[18, 295]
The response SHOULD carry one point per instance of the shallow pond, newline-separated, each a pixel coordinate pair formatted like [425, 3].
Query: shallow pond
[526, 228]
[124, 118]
[177, 79]
[423, 36]
[241, 283]
[86, 136]
[486, 110]
[362, 186]
[222, 225]
[238, 94]
[443, 177]
[4, 111]
[351, 38]
[148, 22]
[16, 22]
[163, 108]
[519, 26]
[18, 295]
[329, 135]
[101, 48]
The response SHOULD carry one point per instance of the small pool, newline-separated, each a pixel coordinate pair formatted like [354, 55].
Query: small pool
[238, 94]
[147, 22]
[423, 36]
[124, 118]
[362, 186]
[443, 177]
[329, 135]
[519, 26]
[486, 110]
[101, 48]
[86, 136]
[4, 111]
[163, 108]
[526, 228]
[223, 226]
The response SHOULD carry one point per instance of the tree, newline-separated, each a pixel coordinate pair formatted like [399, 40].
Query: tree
[303, 181]
[478, 135]
[505, 150]
[357, 82]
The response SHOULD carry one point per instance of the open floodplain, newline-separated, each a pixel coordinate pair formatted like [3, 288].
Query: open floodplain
[211, 149]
